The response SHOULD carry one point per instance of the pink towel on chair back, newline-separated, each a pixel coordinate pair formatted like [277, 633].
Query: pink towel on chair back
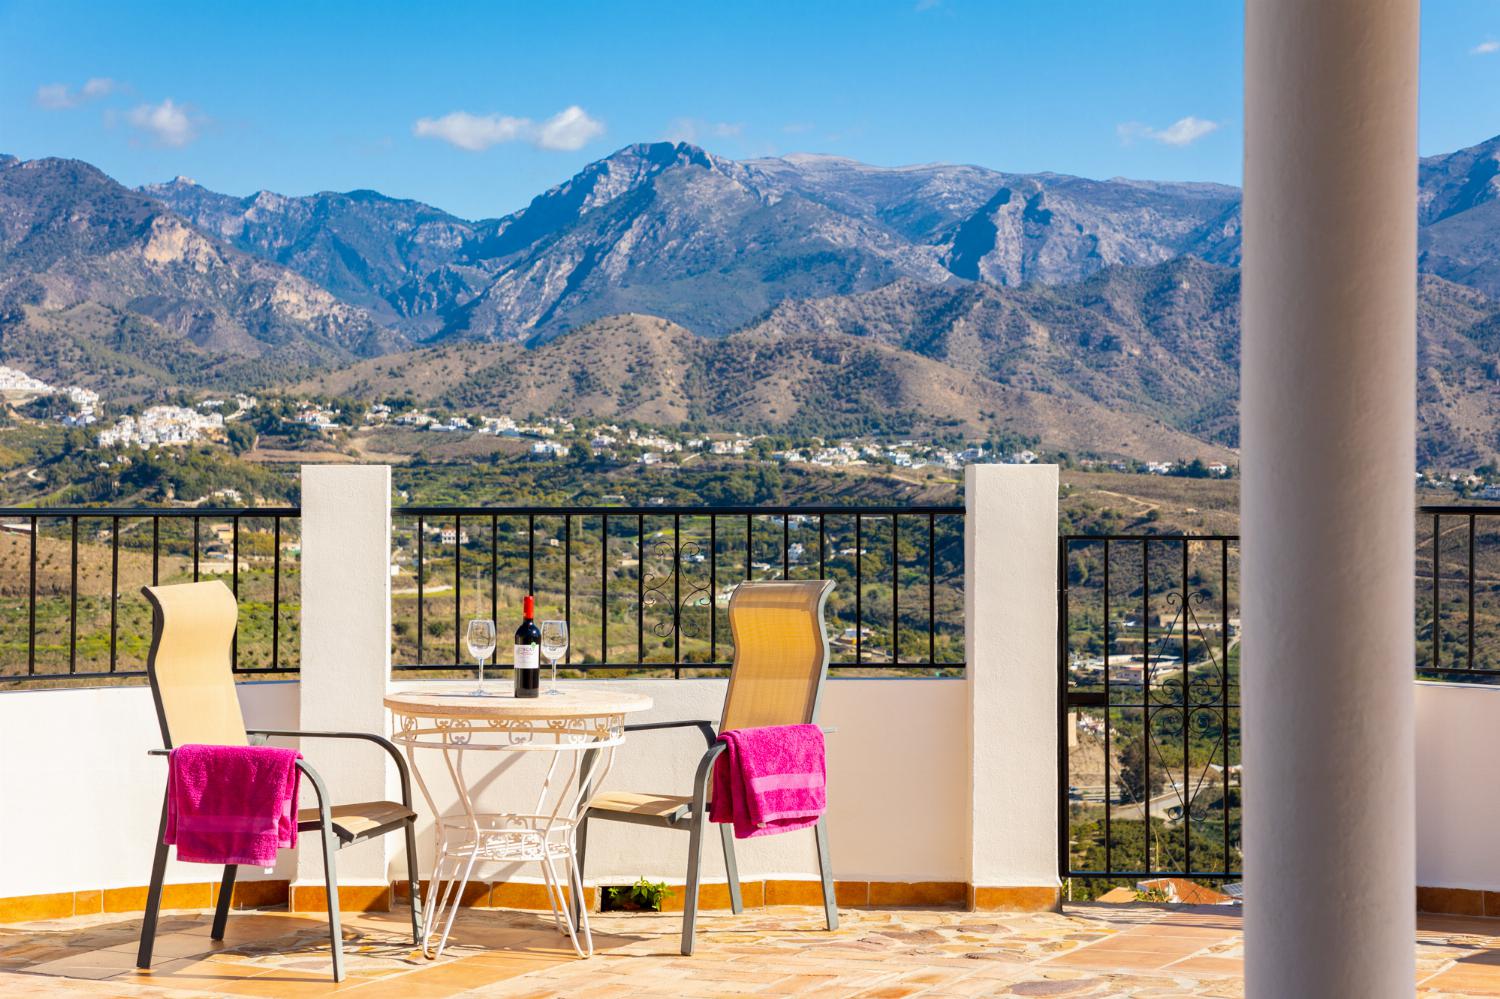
[770, 780]
[232, 804]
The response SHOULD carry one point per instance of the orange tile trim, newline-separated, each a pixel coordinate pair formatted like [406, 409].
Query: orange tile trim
[759, 894]
[352, 898]
[1458, 902]
[986, 898]
[92, 901]
[525, 895]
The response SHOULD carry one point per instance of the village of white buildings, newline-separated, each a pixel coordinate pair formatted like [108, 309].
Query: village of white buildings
[556, 438]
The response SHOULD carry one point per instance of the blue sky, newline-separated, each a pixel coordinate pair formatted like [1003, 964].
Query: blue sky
[476, 107]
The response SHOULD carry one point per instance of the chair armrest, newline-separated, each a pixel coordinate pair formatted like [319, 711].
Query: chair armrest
[829, 729]
[379, 740]
[704, 775]
[319, 788]
[706, 727]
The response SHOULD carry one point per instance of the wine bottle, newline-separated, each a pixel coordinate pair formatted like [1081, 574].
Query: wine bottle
[528, 658]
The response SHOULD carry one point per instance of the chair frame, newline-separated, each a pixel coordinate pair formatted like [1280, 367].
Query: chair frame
[694, 818]
[333, 838]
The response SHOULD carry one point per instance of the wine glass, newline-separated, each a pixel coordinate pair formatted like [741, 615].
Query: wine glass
[554, 647]
[481, 639]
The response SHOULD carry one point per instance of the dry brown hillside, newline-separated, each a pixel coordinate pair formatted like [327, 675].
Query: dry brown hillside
[649, 369]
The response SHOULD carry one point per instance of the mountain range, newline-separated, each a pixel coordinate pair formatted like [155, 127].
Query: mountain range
[666, 282]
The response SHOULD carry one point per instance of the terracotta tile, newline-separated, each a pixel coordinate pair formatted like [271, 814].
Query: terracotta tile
[852, 893]
[514, 963]
[194, 896]
[466, 973]
[1474, 925]
[1466, 981]
[25, 908]
[408, 986]
[242, 928]
[171, 945]
[476, 893]
[352, 898]
[917, 893]
[188, 896]
[1117, 959]
[1186, 931]
[520, 895]
[796, 893]
[1451, 901]
[1033, 899]
[1209, 965]
[88, 903]
[95, 964]
[289, 984]
[710, 896]
[259, 894]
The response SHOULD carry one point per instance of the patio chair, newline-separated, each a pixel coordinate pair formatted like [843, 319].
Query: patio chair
[780, 662]
[192, 633]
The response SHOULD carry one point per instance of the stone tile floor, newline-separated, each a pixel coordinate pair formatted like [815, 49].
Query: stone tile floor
[1089, 950]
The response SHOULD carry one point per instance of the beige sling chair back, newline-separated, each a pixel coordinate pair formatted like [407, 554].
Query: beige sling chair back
[780, 662]
[190, 667]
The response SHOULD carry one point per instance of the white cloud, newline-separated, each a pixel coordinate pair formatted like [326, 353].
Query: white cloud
[473, 132]
[169, 123]
[569, 129]
[1182, 132]
[1489, 47]
[59, 96]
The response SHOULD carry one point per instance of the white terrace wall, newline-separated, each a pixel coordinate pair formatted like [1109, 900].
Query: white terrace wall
[897, 778]
[80, 800]
[1458, 799]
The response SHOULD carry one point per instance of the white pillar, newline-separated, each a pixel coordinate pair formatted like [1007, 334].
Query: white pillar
[1329, 425]
[346, 655]
[1010, 620]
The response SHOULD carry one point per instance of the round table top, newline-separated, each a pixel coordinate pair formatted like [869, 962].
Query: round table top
[573, 702]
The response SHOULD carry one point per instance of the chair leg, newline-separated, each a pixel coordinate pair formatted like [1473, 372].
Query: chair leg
[153, 896]
[330, 879]
[226, 892]
[825, 868]
[413, 883]
[695, 869]
[726, 836]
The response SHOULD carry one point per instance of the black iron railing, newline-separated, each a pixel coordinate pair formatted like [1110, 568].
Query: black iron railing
[1148, 726]
[1458, 592]
[646, 588]
[69, 580]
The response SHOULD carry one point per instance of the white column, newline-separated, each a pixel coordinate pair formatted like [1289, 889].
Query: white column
[1328, 426]
[1010, 620]
[346, 652]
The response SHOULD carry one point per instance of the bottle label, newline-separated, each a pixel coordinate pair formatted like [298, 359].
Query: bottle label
[527, 657]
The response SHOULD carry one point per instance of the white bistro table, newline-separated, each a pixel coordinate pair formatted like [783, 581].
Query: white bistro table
[578, 731]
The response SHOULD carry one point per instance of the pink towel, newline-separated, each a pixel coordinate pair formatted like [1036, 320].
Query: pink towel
[770, 780]
[232, 804]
